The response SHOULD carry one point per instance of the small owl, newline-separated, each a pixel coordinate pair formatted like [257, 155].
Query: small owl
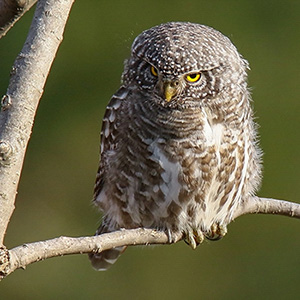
[178, 143]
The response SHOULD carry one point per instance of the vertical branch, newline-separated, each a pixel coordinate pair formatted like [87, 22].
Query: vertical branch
[18, 106]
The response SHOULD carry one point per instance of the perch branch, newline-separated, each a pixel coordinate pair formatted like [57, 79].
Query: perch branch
[18, 106]
[26, 254]
[11, 11]
[256, 205]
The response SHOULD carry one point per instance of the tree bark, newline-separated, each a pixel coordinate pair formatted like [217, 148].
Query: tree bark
[11, 11]
[256, 205]
[19, 105]
[26, 254]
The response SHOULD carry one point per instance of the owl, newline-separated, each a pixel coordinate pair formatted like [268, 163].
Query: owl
[179, 148]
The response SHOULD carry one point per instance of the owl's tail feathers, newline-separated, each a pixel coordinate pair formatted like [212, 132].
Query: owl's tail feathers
[104, 260]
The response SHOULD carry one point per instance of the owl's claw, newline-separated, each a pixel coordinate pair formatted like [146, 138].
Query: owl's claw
[194, 238]
[173, 236]
[216, 232]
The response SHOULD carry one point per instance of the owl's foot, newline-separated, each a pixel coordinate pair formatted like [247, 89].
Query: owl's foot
[216, 232]
[194, 238]
[173, 236]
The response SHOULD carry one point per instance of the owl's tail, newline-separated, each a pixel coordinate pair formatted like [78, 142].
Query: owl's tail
[104, 260]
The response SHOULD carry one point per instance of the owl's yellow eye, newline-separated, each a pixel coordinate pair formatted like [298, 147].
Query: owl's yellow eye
[153, 71]
[193, 77]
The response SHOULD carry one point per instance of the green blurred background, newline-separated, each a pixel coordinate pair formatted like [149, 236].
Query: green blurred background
[258, 259]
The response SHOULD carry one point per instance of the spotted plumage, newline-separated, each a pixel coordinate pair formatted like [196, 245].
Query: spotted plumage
[178, 141]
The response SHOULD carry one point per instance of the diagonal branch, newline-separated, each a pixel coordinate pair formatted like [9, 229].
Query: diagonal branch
[18, 106]
[11, 11]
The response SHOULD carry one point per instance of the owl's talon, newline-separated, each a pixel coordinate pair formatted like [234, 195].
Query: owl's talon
[190, 240]
[194, 238]
[173, 236]
[216, 232]
[199, 236]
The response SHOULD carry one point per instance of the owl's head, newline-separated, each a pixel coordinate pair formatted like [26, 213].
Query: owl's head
[180, 60]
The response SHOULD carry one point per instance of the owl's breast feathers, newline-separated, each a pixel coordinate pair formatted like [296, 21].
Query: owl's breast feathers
[163, 167]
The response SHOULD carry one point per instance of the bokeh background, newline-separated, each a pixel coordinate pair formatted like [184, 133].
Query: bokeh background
[260, 256]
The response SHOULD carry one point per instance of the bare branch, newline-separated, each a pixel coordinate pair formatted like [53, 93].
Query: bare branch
[26, 254]
[256, 205]
[18, 106]
[11, 11]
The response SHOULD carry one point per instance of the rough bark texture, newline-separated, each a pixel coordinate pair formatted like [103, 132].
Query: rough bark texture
[11, 11]
[18, 106]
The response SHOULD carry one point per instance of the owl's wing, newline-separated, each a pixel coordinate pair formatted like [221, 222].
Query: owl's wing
[110, 125]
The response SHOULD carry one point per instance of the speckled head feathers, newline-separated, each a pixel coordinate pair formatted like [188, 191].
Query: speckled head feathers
[181, 47]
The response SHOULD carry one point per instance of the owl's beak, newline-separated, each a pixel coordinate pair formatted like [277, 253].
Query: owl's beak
[170, 90]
